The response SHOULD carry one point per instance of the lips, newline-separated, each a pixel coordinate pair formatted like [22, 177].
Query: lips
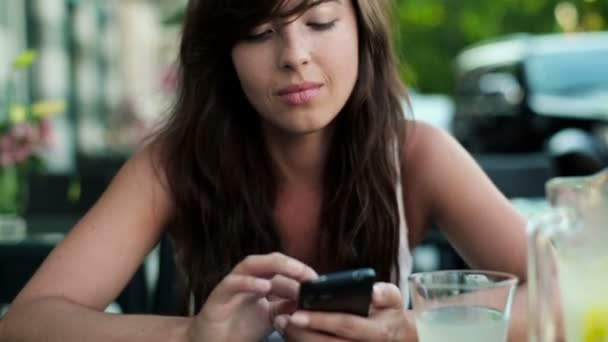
[299, 94]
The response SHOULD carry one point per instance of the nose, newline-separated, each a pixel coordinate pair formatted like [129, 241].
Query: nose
[294, 51]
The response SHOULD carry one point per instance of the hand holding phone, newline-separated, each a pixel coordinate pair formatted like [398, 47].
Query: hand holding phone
[345, 292]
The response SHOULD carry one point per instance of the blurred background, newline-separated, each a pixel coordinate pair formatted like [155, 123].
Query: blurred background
[522, 84]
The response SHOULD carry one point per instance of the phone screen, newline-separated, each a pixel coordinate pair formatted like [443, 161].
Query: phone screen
[345, 292]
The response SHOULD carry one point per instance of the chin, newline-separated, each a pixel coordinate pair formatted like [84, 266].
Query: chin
[305, 128]
[302, 123]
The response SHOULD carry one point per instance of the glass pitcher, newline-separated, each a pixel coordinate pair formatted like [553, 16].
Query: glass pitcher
[568, 262]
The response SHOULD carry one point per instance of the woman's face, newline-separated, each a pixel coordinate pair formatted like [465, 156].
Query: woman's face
[299, 74]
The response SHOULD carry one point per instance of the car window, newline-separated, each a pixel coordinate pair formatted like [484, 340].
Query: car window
[568, 73]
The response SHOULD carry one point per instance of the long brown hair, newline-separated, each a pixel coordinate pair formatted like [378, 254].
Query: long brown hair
[219, 171]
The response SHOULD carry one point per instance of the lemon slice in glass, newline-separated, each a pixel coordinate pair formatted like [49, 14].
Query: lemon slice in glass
[596, 325]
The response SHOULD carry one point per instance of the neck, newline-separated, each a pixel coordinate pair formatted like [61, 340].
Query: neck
[299, 159]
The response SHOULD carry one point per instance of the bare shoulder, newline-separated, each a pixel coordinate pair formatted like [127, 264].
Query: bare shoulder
[147, 165]
[141, 178]
[101, 253]
[423, 147]
[424, 141]
[429, 154]
[436, 165]
[443, 184]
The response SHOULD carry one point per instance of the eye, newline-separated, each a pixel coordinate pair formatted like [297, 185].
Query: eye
[258, 37]
[322, 26]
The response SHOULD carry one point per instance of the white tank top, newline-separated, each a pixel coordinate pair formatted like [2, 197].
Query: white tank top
[405, 256]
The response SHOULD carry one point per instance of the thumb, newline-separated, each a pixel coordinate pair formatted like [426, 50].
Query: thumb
[386, 296]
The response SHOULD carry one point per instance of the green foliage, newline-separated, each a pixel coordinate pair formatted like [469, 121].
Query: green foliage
[24, 127]
[25, 60]
[430, 33]
[9, 190]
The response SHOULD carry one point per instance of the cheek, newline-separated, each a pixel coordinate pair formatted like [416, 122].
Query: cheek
[345, 63]
[248, 72]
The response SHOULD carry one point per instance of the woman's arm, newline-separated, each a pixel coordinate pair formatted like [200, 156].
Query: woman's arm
[58, 319]
[65, 298]
[447, 186]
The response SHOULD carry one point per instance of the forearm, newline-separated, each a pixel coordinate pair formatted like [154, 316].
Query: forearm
[55, 319]
[518, 330]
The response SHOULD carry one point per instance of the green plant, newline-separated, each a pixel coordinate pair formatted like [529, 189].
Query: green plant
[25, 133]
[25, 130]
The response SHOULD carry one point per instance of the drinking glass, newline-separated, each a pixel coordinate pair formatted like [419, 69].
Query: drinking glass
[462, 305]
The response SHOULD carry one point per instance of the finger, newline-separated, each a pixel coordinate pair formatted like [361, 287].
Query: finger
[294, 333]
[282, 307]
[349, 327]
[240, 300]
[280, 323]
[385, 296]
[234, 284]
[285, 288]
[269, 265]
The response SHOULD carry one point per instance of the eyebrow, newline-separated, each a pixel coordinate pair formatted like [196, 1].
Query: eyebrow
[320, 2]
[310, 7]
[326, 1]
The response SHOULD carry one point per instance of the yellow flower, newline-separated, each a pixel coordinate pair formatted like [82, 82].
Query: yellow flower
[25, 59]
[596, 325]
[17, 113]
[45, 109]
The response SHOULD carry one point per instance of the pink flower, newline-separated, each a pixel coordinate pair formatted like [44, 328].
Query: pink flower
[25, 132]
[6, 147]
[22, 142]
[46, 133]
[22, 153]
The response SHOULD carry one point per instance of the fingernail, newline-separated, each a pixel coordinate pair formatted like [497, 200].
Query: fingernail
[280, 322]
[313, 273]
[263, 284]
[295, 265]
[378, 291]
[300, 319]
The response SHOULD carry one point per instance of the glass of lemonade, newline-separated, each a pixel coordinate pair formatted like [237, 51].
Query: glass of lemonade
[462, 305]
[568, 262]
[584, 284]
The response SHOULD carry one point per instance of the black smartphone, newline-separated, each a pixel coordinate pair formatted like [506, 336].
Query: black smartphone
[345, 292]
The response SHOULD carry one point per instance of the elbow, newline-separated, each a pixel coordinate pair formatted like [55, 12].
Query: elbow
[20, 315]
[4, 328]
[10, 320]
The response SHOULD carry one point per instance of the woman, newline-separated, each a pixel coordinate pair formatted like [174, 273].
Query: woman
[287, 155]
